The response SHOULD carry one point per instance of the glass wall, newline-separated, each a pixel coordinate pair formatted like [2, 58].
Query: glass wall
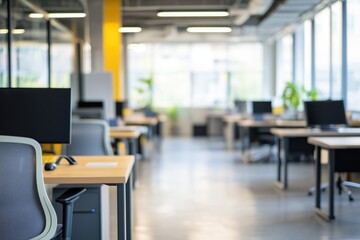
[336, 50]
[284, 62]
[322, 53]
[307, 54]
[29, 53]
[353, 53]
[62, 57]
[29, 49]
[3, 46]
[196, 74]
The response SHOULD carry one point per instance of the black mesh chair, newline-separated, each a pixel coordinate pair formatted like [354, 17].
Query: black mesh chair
[89, 137]
[25, 209]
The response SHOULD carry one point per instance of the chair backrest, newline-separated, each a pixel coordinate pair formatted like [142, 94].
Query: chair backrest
[25, 209]
[89, 137]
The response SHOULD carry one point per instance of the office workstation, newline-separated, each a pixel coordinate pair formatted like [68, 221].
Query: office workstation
[158, 119]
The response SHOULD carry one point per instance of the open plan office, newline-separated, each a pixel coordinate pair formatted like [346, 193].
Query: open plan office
[179, 120]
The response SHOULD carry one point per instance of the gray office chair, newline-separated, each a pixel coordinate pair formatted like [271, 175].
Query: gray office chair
[89, 137]
[25, 210]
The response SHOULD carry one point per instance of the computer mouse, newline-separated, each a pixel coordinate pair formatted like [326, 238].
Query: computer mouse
[50, 166]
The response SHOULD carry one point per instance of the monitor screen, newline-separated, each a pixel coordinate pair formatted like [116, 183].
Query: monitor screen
[90, 104]
[240, 106]
[42, 114]
[261, 107]
[325, 113]
[119, 108]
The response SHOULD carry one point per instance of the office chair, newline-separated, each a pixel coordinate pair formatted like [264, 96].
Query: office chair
[89, 137]
[25, 209]
[341, 185]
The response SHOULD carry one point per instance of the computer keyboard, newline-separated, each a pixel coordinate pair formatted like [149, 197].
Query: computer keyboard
[49, 158]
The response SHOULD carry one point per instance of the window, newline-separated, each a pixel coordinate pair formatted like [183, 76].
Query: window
[336, 53]
[284, 62]
[196, 74]
[29, 53]
[307, 54]
[322, 53]
[3, 48]
[353, 54]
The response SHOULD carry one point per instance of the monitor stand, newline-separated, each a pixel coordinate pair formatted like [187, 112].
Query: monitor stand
[70, 160]
[329, 128]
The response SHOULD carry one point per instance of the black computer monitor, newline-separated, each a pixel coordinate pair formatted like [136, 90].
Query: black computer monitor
[91, 104]
[90, 110]
[240, 106]
[325, 114]
[260, 107]
[43, 114]
[119, 108]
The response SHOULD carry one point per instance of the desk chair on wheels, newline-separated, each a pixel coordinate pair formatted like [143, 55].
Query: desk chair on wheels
[25, 209]
[89, 137]
[341, 185]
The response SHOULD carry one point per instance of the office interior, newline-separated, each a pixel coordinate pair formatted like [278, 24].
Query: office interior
[204, 169]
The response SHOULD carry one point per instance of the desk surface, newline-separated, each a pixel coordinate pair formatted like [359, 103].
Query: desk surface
[308, 132]
[141, 120]
[335, 142]
[123, 132]
[81, 174]
[233, 118]
[271, 123]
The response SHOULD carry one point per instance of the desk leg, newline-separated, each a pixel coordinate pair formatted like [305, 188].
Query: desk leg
[278, 140]
[133, 151]
[121, 211]
[318, 178]
[286, 156]
[330, 215]
[331, 183]
[129, 219]
[245, 143]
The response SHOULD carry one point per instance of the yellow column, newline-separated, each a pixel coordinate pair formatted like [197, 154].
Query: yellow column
[112, 42]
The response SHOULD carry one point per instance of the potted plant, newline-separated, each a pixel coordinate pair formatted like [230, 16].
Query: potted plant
[145, 92]
[172, 114]
[291, 97]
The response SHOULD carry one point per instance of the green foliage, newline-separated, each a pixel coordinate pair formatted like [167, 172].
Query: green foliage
[144, 92]
[293, 95]
[172, 113]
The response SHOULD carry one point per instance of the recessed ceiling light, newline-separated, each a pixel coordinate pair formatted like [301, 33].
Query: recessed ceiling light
[130, 29]
[14, 31]
[193, 14]
[58, 15]
[209, 29]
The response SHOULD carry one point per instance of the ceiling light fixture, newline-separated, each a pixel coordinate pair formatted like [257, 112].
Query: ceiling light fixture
[14, 31]
[130, 29]
[193, 14]
[58, 15]
[208, 29]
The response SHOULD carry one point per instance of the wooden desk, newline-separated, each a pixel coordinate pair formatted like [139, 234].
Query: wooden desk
[150, 122]
[130, 135]
[124, 132]
[229, 129]
[246, 124]
[344, 154]
[120, 176]
[290, 137]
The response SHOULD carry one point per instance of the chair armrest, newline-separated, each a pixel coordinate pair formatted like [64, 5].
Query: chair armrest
[70, 195]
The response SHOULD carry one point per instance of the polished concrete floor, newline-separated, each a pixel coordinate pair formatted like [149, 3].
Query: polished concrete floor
[193, 189]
